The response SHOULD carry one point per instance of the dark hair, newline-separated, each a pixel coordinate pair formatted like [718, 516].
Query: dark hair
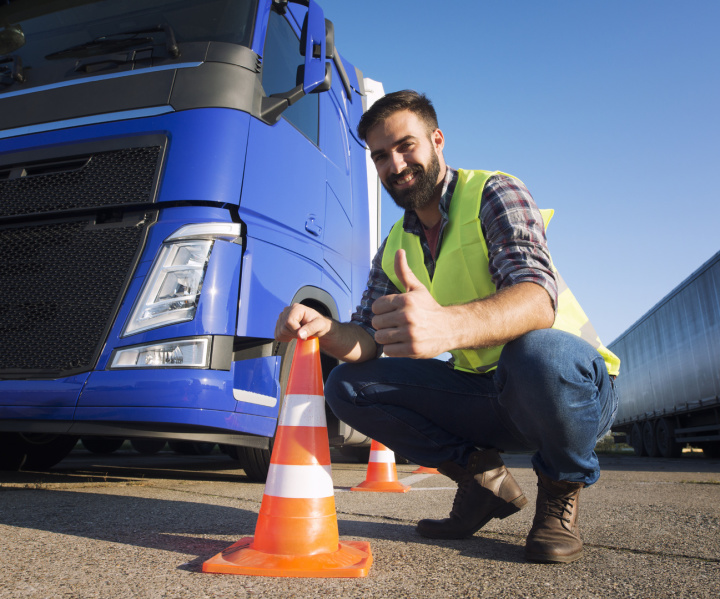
[389, 104]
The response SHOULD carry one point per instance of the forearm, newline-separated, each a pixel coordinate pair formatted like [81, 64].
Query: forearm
[500, 318]
[348, 342]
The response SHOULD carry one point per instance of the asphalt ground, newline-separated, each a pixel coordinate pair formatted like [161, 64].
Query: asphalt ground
[127, 525]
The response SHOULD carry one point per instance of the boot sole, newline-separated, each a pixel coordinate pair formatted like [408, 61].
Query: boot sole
[501, 513]
[548, 558]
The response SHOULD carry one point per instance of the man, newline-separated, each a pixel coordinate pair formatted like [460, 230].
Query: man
[467, 270]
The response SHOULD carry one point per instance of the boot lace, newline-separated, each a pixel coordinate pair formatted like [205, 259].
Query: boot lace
[463, 486]
[556, 506]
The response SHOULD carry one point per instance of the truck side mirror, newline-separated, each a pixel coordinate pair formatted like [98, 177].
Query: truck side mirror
[313, 46]
[315, 75]
[329, 39]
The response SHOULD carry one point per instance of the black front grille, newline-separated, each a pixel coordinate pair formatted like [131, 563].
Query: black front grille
[61, 283]
[76, 220]
[90, 180]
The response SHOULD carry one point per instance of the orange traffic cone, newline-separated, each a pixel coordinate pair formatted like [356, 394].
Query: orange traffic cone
[381, 472]
[297, 532]
[425, 470]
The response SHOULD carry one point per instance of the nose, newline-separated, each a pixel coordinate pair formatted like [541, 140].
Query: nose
[398, 163]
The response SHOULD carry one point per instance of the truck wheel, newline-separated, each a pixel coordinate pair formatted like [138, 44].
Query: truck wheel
[665, 439]
[649, 442]
[636, 440]
[254, 461]
[102, 445]
[33, 451]
[148, 446]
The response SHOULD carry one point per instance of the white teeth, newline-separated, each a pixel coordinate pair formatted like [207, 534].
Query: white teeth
[406, 179]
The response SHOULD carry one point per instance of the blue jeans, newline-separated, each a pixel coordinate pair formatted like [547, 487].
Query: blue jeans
[550, 394]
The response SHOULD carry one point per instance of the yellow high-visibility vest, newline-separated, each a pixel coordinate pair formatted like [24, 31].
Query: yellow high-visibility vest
[462, 272]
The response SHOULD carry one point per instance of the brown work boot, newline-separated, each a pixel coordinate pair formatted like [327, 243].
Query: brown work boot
[555, 536]
[486, 490]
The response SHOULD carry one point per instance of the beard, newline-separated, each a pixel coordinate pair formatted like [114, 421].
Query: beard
[421, 193]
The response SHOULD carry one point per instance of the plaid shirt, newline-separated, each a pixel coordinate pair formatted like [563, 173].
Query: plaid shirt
[514, 233]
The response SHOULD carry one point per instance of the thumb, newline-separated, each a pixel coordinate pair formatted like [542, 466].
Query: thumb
[405, 274]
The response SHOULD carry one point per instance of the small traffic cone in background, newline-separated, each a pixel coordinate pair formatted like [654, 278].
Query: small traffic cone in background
[425, 470]
[297, 531]
[381, 472]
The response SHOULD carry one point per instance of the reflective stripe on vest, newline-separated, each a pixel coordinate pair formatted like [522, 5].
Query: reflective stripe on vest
[462, 272]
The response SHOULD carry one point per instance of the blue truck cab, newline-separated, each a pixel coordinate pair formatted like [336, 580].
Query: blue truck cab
[172, 174]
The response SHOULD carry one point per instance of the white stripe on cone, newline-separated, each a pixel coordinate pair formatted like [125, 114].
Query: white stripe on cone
[383, 456]
[299, 482]
[303, 410]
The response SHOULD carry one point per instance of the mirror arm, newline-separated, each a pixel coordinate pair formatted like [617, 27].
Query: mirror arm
[273, 106]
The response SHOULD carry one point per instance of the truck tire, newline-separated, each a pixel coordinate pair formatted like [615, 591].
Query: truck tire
[148, 446]
[636, 440]
[254, 461]
[665, 439]
[102, 445]
[649, 440]
[33, 451]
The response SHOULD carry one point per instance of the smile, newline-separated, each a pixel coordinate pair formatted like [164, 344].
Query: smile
[404, 179]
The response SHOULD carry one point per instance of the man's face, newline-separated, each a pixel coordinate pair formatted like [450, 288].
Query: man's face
[407, 158]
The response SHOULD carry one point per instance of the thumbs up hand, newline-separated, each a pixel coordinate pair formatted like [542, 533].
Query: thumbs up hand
[411, 324]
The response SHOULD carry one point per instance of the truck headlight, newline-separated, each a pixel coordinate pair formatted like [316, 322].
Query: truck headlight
[171, 291]
[183, 353]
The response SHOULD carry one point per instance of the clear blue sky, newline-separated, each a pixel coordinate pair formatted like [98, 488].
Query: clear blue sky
[608, 110]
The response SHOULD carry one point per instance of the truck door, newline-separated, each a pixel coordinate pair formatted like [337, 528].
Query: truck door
[284, 188]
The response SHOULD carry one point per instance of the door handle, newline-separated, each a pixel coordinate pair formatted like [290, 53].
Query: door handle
[312, 227]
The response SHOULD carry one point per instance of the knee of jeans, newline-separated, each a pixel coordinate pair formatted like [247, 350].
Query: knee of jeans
[548, 354]
[530, 355]
[336, 388]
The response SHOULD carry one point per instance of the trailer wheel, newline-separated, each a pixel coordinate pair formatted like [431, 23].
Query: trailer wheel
[636, 440]
[665, 439]
[102, 445]
[649, 440]
[33, 451]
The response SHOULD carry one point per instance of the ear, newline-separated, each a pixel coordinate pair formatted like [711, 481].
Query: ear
[438, 140]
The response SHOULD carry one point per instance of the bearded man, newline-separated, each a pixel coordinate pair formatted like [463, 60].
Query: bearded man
[467, 271]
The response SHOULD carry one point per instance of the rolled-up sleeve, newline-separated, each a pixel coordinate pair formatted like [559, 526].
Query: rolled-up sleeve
[515, 236]
[378, 284]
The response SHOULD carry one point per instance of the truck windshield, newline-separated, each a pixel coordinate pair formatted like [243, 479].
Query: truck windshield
[34, 32]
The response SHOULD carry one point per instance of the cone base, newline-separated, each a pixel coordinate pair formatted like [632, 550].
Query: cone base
[352, 560]
[382, 486]
[426, 470]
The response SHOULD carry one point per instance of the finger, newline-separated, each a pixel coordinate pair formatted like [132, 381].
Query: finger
[404, 272]
[388, 303]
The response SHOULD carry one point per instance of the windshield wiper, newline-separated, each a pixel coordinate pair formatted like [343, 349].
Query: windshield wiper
[117, 42]
[14, 70]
